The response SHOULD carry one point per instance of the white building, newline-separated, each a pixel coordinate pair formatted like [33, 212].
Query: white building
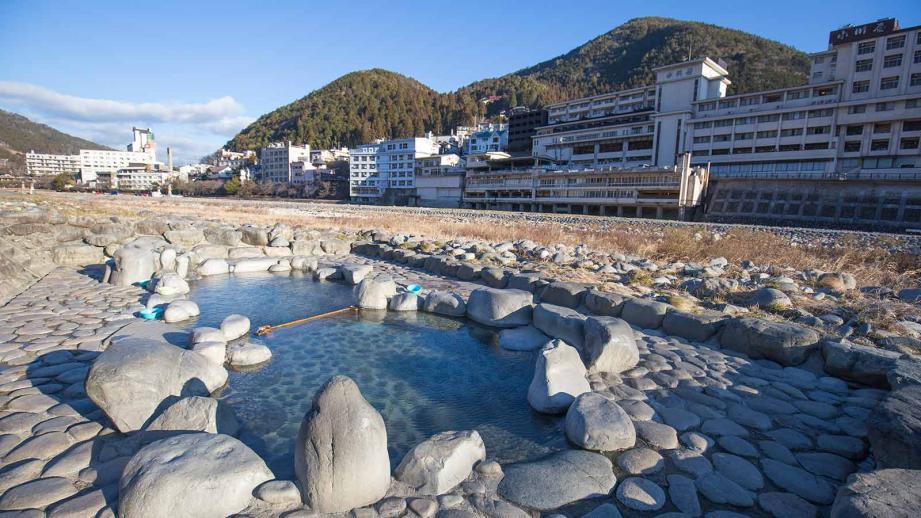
[96, 161]
[275, 161]
[320, 157]
[43, 164]
[303, 173]
[143, 142]
[439, 181]
[137, 178]
[392, 179]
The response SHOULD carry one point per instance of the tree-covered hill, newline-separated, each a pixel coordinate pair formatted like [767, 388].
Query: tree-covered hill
[19, 134]
[362, 106]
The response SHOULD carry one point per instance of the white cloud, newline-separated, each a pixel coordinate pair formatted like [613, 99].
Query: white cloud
[190, 129]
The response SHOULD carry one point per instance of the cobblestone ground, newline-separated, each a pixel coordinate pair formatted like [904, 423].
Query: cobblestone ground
[715, 431]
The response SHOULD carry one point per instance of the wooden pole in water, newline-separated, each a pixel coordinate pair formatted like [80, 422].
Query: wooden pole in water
[264, 330]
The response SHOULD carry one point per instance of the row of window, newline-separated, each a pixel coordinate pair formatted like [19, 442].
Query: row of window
[906, 143]
[892, 43]
[811, 146]
[885, 83]
[771, 97]
[890, 61]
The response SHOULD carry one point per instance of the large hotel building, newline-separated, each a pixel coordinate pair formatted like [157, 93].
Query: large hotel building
[841, 149]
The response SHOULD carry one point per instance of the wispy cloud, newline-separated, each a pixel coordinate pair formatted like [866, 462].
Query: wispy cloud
[191, 129]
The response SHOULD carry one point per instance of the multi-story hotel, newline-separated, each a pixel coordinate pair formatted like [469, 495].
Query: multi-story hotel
[275, 161]
[44, 164]
[485, 138]
[841, 149]
[90, 162]
[439, 181]
[393, 177]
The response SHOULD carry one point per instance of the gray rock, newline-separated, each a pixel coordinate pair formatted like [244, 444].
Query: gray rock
[604, 304]
[77, 255]
[248, 355]
[657, 434]
[234, 326]
[136, 261]
[889, 493]
[442, 462]
[641, 494]
[341, 455]
[213, 267]
[720, 490]
[904, 373]
[860, 363]
[355, 273]
[372, 293]
[602, 511]
[770, 298]
[567, 294]
[610, 345]
[180, 311]
[558, 479]
[445, 303]
[786, 505]
[643, 313]
[190, 475]
[278, 492]
[131, 378]
[494, 277]
[895, 429]
[559, 377]
[500, 308]
[404, 301]
[690, 461]
[594, 422]
[826, 464]
[194, 414]
[37, 493]
[696, 327]
[683, 494]
[785, 343]
[525, 338]
[559, 322]
[738, 470]
[641, 461]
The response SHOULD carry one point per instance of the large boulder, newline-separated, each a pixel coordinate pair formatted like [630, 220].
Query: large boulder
[186, 238]
[254, 264]
[605, 304]
[355, 273]
[610, 345]
[170, 284]
[196, 475]
[137, 261]
[134, 376]
[559, 378]
[335, 246]
[500, 308]
[213, 267]
[373, 292]
[77, 255]
[886, 493]
[235, 326]
[594, 422]
[439, 464]
[783, 342]
[445, 303]
[560, 322]
[341, 455]
[524, 338]
[644, 313]
[894, 429]
[860, 363]
[567, 294]
[254, 235]
[306, 247]
[558, 480]
[696, 327]
[194, 414]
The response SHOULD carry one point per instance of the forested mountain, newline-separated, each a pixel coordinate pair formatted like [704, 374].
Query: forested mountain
[376, 103]
[21, 135]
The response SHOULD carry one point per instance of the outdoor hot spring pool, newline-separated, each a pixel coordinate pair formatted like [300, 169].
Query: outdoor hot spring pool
[424, 373]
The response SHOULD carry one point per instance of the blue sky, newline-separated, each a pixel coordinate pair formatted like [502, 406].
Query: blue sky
[199, 71]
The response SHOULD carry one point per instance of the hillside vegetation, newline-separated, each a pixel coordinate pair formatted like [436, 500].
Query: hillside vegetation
[19, 134]
[362, 106]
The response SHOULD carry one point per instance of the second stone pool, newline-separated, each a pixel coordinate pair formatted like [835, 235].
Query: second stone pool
[424, 373]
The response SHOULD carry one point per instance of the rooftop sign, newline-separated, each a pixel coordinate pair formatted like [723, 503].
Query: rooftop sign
[862, 32]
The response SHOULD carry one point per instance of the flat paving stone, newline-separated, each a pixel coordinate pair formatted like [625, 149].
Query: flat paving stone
[739, 470]
[37, 493]
[799, 481]
[720, 490]
[641, 494]
[641, 461]
[683, 493]
[656, 434]
[786, 505]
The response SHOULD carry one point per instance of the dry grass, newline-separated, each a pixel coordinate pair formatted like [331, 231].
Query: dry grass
[870, 265]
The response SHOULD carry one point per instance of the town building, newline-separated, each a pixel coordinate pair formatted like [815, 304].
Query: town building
[303, 173]
[485, 138]
[96, 161]
[439, 181]
[275, 161]
[320, 157]
[522, 126]
[388, 177]
[44, 164]
[135, 178]
[89, 162]
[231, 159]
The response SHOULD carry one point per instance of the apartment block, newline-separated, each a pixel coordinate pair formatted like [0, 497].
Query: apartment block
[439, 181]
[275, 161]
[44, 164]
[384, 172]
[522, 126]
[485, 138]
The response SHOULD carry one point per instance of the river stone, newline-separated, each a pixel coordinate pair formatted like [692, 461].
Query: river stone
[610, 345]
[355, 273]
[567, 294]
[720, 490]
[641, 494]
[738, 470]
[799, 481]
[137, 261]
[404, 301]
[500, 308]
[558, 479]
[696, 327]
[131, 378]
[254, 265]
[786, 505]
[560, 322]
[341, 455]
[372, 293]
[643, 313]
[196, 475]
[895, 429]
[885, 493]
[77, 255]
[559, 377]
[213, 267]
[604, 304]
[279, 492]
[439, 464]
[602, 511]
[657, 434]
[445, 303]
[782, 342]
[594, 422]
[37, 493]
[860, 363]
[234, 326]
[683, 494]
[641, 461]
[194, 414]
[180, 311]
[524, 338]
[215, 352]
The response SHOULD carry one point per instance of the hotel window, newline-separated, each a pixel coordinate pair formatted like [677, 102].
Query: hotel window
[918, 55]
[725, 123]
[769, 118]
[893, 60]
[879, 145]
[895, 42]
[701, 125]
[909, 143]
[914, 125]
[864, 65]
[854, 130]
[818, 130]
[792, 116]
[860, 87]
[744, 136]
[748, 101]
[888, 83]
[867, 47]
[702, 140]
[705, 107]
[852, 146]
[915, 79]
[798, 94]
[884, 107]
[792, 132]
[767, 134]
[882, 127]
[721, 138]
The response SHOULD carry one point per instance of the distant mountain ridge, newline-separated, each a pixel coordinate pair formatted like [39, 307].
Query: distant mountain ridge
[364, 105]
[19, 135]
